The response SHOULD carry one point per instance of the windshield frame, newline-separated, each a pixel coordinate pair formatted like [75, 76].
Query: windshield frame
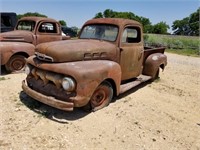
[100, 32]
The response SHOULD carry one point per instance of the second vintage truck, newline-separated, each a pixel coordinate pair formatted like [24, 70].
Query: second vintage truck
[106, 60]
[19, 44]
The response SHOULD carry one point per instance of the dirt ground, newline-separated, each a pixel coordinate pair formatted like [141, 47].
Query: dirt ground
[163, 115]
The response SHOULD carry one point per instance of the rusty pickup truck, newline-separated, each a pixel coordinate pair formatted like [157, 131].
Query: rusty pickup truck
[107, 59]
[19, 44]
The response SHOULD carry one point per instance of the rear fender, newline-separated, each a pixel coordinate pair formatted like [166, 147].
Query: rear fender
[153, 63]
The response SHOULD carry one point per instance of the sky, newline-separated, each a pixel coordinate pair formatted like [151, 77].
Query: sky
[77, 12]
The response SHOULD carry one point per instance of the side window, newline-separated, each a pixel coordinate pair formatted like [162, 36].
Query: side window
[131, 35]
[48, 27]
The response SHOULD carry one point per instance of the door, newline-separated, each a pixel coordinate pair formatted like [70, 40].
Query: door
[132, 50]
[47, 32]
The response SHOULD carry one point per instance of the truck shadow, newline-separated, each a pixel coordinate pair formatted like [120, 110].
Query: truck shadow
[134, 89]
[49, 112]
[61, 116]
[3, 71]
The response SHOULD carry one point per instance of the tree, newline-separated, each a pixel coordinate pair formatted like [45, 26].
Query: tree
[160, 28]
[194, 23]
[147, 26]
[63, 23]
[108, 13]
[99, 15]
[188, 25]
[181, 27]
[31, 14]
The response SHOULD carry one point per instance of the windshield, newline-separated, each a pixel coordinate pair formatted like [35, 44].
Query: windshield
[26, 25]
[101, 32]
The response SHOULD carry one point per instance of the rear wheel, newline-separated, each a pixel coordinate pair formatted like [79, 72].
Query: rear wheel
[16, 63]
[101, 97]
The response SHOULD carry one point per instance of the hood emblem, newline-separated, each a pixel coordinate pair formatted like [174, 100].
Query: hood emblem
[43, 57]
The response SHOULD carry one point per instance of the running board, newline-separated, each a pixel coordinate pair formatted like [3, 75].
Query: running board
[127, 86]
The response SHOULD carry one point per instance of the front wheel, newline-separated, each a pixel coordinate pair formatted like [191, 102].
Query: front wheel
[16, 63]
[101, 97]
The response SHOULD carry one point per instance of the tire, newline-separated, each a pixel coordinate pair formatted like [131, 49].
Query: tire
[16, 63]
[101, 97]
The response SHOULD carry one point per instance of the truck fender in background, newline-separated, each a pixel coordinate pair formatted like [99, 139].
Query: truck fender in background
[8, 49]
[153, 63]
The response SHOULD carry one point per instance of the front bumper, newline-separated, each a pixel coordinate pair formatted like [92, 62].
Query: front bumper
[51, 101]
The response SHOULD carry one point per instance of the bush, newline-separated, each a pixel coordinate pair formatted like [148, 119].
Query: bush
[184, 43]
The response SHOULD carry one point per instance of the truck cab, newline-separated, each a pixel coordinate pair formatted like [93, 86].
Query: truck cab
[19, 44]
[127, 39]
[107, 59]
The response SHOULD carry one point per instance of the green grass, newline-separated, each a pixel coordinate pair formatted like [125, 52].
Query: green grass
[185, 52]
[184, 45]
[2, 78]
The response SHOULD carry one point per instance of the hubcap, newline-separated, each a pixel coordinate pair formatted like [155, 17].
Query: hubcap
[18, 64]
[98, 98]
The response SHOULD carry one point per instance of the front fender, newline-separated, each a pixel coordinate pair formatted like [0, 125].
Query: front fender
[87, 74]
[8, 49]
[153, 62]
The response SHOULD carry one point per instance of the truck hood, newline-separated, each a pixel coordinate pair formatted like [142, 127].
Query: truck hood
[76, 50]
[17, 36]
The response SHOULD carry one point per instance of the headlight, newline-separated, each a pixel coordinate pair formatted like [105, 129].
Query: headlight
[68, 84]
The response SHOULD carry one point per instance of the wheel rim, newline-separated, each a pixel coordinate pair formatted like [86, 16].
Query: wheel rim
[101, 97]
[17, 64]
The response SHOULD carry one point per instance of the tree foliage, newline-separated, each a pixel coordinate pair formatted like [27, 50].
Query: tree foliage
[99, 15]
[160, 28]
[19, 16]
[188, 25]
[63, 23]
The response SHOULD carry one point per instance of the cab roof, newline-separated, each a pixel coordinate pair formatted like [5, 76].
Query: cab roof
[38, 19]
[115, 21]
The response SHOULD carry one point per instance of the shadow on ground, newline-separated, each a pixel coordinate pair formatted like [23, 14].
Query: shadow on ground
[138, 87]
[64, 116]
[3, 71]
[50, 112]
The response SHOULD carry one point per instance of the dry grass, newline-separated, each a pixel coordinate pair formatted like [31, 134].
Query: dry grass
[185, 45]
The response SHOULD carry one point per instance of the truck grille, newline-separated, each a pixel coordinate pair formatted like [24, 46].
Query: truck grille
[48, 83]
[47, 77]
